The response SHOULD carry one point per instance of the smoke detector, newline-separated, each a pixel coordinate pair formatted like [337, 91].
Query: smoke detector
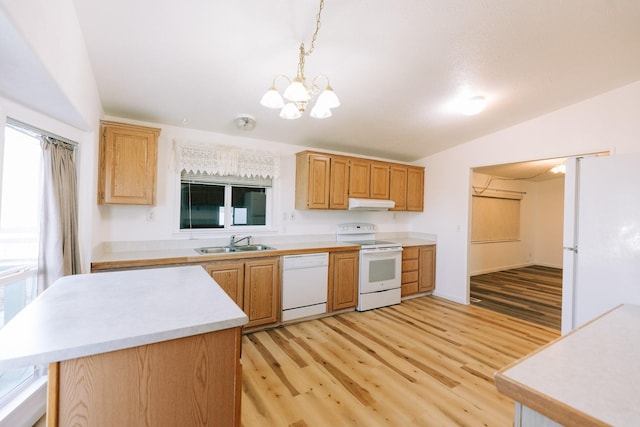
[245, 122]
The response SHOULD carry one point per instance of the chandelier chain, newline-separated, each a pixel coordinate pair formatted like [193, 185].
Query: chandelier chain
[304, 53]
[315, 34]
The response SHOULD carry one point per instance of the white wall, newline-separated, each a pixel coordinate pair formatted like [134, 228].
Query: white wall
[119, 223]
[606, 122]
[540, 240]
[549, 223]
[52, 31]
[493, 256]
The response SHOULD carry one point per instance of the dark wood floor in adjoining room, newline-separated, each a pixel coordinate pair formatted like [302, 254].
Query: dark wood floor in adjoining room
[531, 293]
[426, 362]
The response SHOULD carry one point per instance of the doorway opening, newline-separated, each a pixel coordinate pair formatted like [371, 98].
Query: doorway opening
[515, 250]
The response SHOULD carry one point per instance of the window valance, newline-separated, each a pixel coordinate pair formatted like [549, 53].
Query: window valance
[225, 160]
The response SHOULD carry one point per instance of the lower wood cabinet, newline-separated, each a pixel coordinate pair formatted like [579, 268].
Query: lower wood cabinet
[253, 284]
[194, 381]
[343, 280]
[262, 291]
[426, 268]
[409, 271]
[230, 277]
[418, 269]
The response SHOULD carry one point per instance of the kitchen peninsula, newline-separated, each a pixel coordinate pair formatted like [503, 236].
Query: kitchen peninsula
[588, 377]
[154, 347]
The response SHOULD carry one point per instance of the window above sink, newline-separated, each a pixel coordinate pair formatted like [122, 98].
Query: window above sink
[211, 202]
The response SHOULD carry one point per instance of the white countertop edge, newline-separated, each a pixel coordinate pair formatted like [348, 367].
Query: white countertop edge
[591, 370]
[111, 311]
[91, 349]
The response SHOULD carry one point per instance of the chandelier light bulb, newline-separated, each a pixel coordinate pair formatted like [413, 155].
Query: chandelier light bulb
[297, 92]
[328, 99]
[290, 112]
[272, 99]
[320, 112]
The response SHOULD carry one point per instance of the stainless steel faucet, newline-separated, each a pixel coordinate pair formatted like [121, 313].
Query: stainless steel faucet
[233, 241]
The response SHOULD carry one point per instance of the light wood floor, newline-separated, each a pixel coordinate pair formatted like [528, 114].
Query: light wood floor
[532, 293]
[425, 362]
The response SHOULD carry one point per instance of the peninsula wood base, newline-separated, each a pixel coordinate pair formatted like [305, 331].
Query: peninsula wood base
[195, 381]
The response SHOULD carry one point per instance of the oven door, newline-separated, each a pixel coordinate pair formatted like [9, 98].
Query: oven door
[380, 269]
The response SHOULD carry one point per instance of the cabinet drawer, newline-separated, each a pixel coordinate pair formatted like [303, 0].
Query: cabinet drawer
[409, 289]
[409, 265]
[409, 276]
[410, 253]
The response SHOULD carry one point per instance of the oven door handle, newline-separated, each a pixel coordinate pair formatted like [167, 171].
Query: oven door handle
[381, 250]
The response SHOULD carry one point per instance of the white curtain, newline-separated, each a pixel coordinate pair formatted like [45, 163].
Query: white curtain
[223, 160]
[59, 255]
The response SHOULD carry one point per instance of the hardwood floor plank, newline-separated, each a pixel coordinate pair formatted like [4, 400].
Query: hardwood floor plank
[383, 343]
[426, 362]
[273, 363]
[368, 350]
[282, 342]
[531, 293]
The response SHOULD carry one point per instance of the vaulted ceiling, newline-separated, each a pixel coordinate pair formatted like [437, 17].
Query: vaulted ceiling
[395, 65]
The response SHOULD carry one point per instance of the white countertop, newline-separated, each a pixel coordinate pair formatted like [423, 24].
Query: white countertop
[88, 314]
[411, 241]
[137, 253]
[594, 371]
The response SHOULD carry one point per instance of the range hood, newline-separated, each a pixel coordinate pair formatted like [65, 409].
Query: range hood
[370, 204]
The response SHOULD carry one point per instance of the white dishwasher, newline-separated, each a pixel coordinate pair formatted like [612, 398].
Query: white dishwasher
[304, 285]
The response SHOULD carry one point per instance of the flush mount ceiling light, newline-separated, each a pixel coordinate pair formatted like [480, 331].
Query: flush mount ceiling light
[298, 93]
[558, 169]
[472, 105]
[245, 122]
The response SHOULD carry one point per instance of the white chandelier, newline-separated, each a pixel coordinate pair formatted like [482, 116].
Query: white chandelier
[298, 93]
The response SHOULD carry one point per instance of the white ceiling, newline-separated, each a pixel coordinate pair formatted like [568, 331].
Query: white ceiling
[396, 65]
[536, 171]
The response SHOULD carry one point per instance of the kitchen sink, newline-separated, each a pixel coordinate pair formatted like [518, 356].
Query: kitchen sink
[229, 249]
[253, 248]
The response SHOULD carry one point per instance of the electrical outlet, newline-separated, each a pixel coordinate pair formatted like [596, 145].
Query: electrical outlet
[151, 215]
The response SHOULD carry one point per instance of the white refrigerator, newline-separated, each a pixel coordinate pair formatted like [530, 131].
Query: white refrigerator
[601, 262]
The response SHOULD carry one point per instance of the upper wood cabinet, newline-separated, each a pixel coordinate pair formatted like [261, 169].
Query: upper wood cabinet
[313, 172]
[322, 181]
[339, 183]
[127, 165]
[327, 181]
[398, 187]
[359, 178]
[415, 188]
[379, 185]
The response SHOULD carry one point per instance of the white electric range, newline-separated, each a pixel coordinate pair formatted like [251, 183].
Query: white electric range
[380, 266]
